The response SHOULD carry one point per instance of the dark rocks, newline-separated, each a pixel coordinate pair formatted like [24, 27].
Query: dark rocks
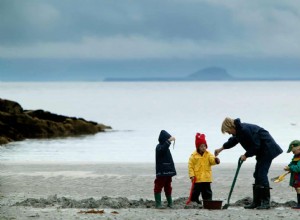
[10, 107]
[17, 124]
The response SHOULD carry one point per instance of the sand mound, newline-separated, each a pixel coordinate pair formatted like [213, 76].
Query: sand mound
[123, 202]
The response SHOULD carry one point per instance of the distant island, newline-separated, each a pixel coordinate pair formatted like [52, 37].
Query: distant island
[211, 73]
[142, 72]
[206, 74]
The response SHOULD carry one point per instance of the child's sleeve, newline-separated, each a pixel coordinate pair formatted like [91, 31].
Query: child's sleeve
[163, 147]
[295, 168]
[191, 167]
[212, 159]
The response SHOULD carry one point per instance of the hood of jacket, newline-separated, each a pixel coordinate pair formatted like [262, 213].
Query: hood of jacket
[237, 123]
[163, 136]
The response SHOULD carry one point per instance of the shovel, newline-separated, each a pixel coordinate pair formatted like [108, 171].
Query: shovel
[233, 183]
[191, 191]
[278, 179]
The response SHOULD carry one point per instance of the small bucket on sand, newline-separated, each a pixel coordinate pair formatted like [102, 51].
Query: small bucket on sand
[212, 204]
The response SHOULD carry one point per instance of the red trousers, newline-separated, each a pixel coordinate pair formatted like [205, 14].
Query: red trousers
[163, 182]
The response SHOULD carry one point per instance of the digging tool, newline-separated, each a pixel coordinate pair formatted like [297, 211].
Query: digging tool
[278, 179]
[191, 192]
[233, 183]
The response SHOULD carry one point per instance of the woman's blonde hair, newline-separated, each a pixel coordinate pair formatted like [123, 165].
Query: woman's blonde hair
[227, 124]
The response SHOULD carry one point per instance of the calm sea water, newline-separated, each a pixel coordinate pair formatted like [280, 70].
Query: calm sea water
[138, 111]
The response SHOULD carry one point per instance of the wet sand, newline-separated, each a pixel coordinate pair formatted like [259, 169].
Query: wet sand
[125, 191]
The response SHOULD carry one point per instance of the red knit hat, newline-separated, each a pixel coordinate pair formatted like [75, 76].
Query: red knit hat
[200, 139]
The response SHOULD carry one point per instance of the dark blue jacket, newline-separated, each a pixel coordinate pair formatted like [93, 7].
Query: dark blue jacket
[254, 139]
[164, 161]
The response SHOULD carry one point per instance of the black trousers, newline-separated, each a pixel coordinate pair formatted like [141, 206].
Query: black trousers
[201, 188]
[263, 163]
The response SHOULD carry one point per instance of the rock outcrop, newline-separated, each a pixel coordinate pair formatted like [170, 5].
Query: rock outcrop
[17, 124]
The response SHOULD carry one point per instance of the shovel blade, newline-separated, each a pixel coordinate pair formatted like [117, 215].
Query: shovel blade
[274, 178]
[225, 206]
[279, 178]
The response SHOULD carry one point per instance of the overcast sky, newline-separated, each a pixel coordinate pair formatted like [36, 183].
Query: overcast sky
[243, 31]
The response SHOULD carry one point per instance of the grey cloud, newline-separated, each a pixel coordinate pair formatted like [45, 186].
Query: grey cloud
[161, 28]
[26, 21]
[33, 20]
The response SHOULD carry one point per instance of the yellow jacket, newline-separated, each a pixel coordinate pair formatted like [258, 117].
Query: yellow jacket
[200, 166]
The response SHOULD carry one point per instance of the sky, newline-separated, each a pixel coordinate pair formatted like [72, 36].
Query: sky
[87, 39]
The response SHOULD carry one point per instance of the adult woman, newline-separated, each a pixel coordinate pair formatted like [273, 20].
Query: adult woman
[257, 142]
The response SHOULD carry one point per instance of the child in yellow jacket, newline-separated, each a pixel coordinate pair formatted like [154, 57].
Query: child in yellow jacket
[200, 163]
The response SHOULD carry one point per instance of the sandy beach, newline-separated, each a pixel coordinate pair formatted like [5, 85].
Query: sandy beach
[125, 191]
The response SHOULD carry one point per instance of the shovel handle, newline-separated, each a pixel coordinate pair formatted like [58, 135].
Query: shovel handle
[286, 173]
[240, 162]
[191, 192]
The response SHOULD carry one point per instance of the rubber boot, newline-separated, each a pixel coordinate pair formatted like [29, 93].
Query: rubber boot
[256, 198]
[265, 198]
[157, 197]
[298, 205]
[170, 201]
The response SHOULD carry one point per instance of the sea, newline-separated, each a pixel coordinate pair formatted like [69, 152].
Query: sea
[138, 111]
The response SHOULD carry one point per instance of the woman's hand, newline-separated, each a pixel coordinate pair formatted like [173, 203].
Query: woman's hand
[243, 158]
[218, 151]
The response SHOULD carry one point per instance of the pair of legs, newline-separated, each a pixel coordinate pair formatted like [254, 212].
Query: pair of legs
[298, 197]
[163, 182]
[261, 186]
[261, 171]
[201, 188]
